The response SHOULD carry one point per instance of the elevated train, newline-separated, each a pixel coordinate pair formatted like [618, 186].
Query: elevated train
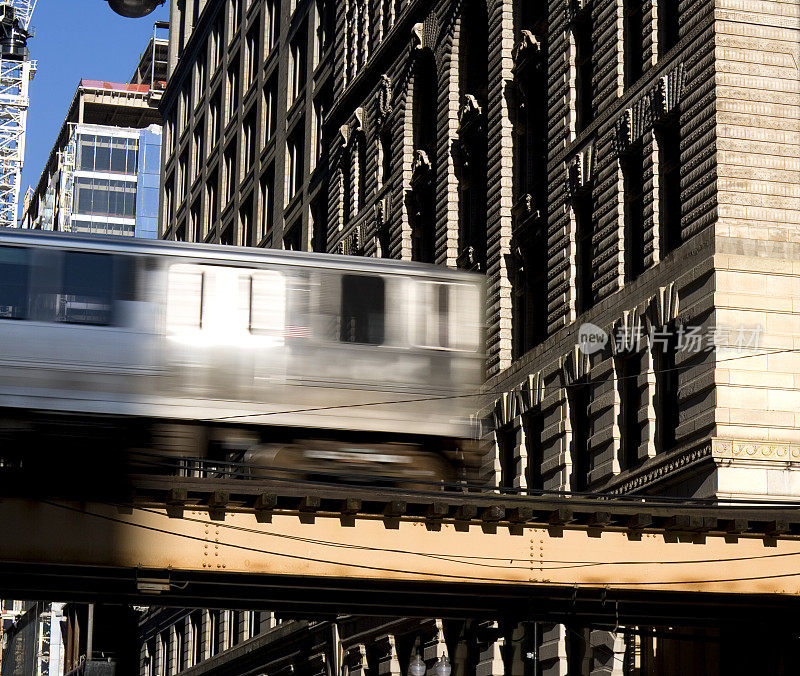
[315, 362]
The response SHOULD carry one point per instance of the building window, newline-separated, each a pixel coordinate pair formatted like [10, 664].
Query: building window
[294, 165]
[292, 238]
[249, 139]
[632, 164]
[345, 183]
[185, 106]
[180, 648]
[267, 201]
[529, 292]
[384, 164]
[271, 107]
[633, 52]
[582, 213]
[252, 58]
[246, 223]
[508, 452]
[362, 310]
[183, 177]
[665, 348]
[298, 63]
[169, 196]
[272, 20]
[163, 653]
[195, 232]
[232, 100]
[215, 119]
[424, 115]
[215, 634]
[668, 140]
[360, 144]
[387, 18]
[212, 202]
[584, 70]
[319, 226]
[216, 42]
[578, 402]
[668, 25]
[230, 178]
[236, 14]
[200, 75]
[533, 427]
[319, 147]
[198, 149]
[629, 371]
[322, 20]
[196, 637]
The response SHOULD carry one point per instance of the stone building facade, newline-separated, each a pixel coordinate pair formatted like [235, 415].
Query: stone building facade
[618, 169]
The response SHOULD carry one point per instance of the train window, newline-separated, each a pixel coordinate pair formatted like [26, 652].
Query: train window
[447, 316]
[14, 267]
[267, 302]
[87, 288]
[184, 299]
[363, 309]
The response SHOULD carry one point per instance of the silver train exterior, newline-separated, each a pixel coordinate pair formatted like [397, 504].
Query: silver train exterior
[237, 338]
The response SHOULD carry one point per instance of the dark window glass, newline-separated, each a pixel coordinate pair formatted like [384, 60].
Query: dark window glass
[119, 155]
[578, 401]
[102, 157]
[507, 439]
[13, 283]
[362, 310]
[87, 288]
[86, 153]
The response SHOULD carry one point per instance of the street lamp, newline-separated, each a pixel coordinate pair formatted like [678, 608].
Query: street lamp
[416, 667]
[134, 9]
[442, 667]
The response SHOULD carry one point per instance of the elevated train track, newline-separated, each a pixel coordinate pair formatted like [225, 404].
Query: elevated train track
[307, 547]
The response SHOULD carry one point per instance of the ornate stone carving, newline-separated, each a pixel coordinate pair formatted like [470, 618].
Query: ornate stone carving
[627, 333]
[579, 171]
[756, 450]
[672, 463]
[664, 305]
[421, 168]
[417, 37]
[522, 398]
[575, 9]
[575, 366]
[667, 92]
[623, 132]
[525, 50]
[384, 101]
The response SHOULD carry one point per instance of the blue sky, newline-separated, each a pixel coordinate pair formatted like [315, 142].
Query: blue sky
[75, 39]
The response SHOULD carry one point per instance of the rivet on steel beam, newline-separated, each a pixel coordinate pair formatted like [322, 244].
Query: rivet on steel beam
[560, 516]
[520, 514]
[350, 506]
[437, 510]
[395, 508]
[493, 513]
[309, 503]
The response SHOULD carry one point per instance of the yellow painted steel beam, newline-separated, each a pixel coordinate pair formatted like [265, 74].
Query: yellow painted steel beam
[398, 549]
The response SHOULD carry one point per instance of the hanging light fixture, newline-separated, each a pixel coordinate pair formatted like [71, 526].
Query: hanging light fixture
[442, 666]
[417, 667]
[134, 9]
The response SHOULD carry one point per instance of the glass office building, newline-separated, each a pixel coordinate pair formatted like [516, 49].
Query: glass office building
[114, 181]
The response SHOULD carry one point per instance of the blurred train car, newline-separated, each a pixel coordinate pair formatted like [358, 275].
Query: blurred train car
[318, 362]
